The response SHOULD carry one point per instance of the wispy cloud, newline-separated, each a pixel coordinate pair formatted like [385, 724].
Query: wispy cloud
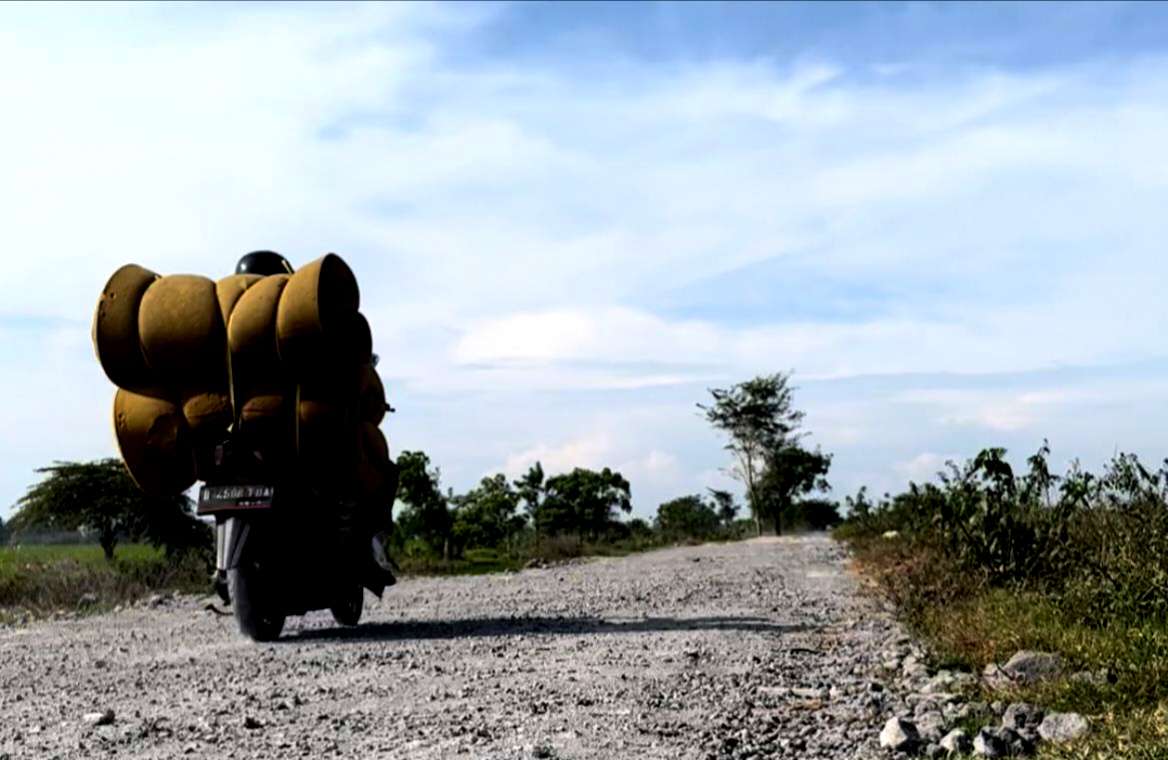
[558, 252]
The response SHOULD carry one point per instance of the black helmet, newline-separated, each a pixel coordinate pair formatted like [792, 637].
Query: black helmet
[263, 263]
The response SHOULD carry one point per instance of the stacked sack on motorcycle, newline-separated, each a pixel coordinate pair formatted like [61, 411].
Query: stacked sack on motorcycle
[285, 358]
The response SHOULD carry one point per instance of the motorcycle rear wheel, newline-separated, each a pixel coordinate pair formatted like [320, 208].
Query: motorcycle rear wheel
[349, 605]
[255, 620]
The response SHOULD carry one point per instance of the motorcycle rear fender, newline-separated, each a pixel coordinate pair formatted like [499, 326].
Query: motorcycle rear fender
[231, 535]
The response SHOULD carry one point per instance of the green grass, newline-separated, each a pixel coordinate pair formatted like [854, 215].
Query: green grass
[968, 624]
[86, 554]
[41, 579]
[478, 561]
[473, 562]
[1129, 714]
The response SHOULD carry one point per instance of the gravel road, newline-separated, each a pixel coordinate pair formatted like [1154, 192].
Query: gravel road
[762, 648]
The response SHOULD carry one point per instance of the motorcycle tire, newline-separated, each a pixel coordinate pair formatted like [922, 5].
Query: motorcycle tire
[347, 609]
[246, 589]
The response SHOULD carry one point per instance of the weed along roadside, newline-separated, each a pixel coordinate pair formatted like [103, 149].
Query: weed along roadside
[1042, 598]
[39, 581]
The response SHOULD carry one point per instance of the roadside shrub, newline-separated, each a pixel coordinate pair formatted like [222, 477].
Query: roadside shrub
[813, 514]
[47, 578]
[1098, 543]
[687, 517]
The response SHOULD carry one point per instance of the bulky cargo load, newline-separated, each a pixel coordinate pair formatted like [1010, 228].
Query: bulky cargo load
[285, 357]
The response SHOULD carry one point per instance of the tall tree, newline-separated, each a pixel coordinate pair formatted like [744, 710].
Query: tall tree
[530, 488]
[584, 502]
[791, 472]
[427, 514]
[3, 532]
[758, 418]
[99, 497]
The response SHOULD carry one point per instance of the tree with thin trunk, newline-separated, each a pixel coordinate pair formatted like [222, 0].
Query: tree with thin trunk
[757, 418]
[101, 499]
[531, 489]
[427, 511]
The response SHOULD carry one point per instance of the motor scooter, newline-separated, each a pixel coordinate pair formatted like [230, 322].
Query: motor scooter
[283, 546]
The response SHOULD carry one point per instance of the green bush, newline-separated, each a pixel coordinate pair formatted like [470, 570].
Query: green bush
[1098, 543]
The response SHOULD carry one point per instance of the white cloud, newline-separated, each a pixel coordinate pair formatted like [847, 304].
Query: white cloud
[514, 226]
[593, 451]
[924, 466]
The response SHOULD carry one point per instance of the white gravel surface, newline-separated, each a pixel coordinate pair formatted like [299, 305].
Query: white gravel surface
[762, 648]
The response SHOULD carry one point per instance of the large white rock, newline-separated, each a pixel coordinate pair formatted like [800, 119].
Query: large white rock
[956, 742]
[1027, 667]
[987, 743]
[1063, 727]
[1022, 716]
[930, 727]
[899, 735]
[103, 718]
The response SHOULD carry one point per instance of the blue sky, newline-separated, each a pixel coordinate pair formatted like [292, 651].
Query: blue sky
[568, 221]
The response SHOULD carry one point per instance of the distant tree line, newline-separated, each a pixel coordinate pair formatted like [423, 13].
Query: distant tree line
[497, 512]
[762, 427]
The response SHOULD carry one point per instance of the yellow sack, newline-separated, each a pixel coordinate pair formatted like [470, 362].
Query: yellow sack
[182, 334]
[321, 418]
[361, 341]
[251, 330]
[251, 335]
[373, 465]
[328, 440]
[372, 392]
[207, 414]
[264, 407]
[230, 288]
[316, 311]
[155, 444]
[115, 329]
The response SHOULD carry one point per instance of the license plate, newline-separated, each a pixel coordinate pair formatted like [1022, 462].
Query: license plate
[235, 497]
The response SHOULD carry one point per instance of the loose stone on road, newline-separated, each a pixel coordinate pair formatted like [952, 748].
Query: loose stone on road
[762, 648]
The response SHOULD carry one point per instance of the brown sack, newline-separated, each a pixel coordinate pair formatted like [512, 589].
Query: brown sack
[316, 311]
[230, 288]
[361, 341]
[373, 404]
[327, 428]
[207, 413]
[251, 334]
[251, 330]
[321, 417]
[115, 329]
[264, 407]
[182, 333]
[329, 442]
[373, 465]
[154, 441]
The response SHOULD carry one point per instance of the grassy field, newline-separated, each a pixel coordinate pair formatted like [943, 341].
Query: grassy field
[968, 625]
[14, 557]
[36, 580]
[42, 579]
[549, 550]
